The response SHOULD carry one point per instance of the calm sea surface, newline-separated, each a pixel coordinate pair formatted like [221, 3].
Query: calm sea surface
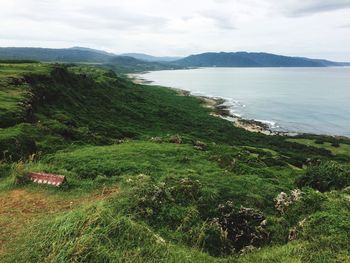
[314, 100]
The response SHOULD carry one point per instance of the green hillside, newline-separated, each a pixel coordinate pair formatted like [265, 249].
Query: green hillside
[80, 55]
[252, 59]
[153, 177]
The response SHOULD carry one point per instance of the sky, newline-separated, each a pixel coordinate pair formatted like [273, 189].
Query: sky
[310, 28]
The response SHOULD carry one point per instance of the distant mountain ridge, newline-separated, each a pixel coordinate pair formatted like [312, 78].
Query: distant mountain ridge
[252, 59]
[93, 50]
[122, 64]
[150, 58]
[139, 61]
[55, 55]
[74, 54]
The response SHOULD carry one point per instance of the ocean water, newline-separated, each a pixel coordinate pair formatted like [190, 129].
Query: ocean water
[311, 100]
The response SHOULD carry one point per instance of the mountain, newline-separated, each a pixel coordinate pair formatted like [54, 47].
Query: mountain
[132, 62]
[123, 64]
[150, 58]
[74, 54]
[54, 55]
[94, 50]
[246, 59]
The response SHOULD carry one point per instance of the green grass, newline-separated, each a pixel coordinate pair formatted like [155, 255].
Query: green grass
[324, 236]
[96, 234]
[87, 165]
[86, 105]
[343, 149]
[103, 132]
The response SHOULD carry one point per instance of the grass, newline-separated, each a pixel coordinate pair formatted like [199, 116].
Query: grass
[324, 236]
[23, 206]
[342, 149]
[139, 187]
[86, 105]
[101, 236]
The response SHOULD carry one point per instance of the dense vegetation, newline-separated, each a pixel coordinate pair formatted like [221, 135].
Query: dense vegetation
[145, 57]
[134, 62]
[123, 64]
[251, 59]
[190, 187]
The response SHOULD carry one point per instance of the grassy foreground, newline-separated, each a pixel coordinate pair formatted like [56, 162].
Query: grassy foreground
[152, 177]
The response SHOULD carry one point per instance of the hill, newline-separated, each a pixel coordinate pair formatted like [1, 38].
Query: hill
[54, 55]
[245, 59]
[152, 176]
[149, 58]
[124, 64]
[137, 62]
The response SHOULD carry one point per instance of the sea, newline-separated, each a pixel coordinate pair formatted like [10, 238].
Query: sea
[301, 100]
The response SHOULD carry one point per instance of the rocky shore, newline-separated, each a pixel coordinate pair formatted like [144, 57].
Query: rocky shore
[219, 109]
[137, 79]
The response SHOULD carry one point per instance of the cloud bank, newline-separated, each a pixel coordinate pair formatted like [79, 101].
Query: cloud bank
[314, 28]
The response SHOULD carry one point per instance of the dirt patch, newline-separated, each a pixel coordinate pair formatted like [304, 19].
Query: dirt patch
[19, 207]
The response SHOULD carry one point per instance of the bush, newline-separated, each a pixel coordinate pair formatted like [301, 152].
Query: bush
[236, 229]
[326, 176]
[335, 144]
[174, 204]
[166, 202]
[19, 173]
[319, 141]
[4, 169]
[309, 203]
[283, 200]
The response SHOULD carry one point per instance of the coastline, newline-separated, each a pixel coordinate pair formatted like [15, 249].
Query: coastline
[219, 109]
[135, 78]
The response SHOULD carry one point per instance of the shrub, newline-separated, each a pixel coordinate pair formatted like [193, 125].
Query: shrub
[319, 141]
[236, 228]
[326, 176]
[4, 169]
[167, 200]
[269, 161]
[310, 202]
[335, 144]
[175, 139]
[213, 239]
[19, 173]
[283, 200]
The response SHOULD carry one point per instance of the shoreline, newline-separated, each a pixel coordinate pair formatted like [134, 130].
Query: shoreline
[135, 78]
[219, 109]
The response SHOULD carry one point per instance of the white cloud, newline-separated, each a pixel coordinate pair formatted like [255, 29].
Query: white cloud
[310, 7]
[314, 28]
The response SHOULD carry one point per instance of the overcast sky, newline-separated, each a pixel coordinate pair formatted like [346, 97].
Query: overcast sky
[313, 28]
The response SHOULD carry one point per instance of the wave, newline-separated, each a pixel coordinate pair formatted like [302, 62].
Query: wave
[272, 124]
[236, 108]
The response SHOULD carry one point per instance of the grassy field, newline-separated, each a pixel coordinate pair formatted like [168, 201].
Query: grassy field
[152, 177]
[342, 149]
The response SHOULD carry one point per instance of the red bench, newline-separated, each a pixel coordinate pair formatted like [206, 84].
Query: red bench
[43, 178]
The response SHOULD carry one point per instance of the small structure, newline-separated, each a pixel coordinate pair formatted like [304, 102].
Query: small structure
[43, 178]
